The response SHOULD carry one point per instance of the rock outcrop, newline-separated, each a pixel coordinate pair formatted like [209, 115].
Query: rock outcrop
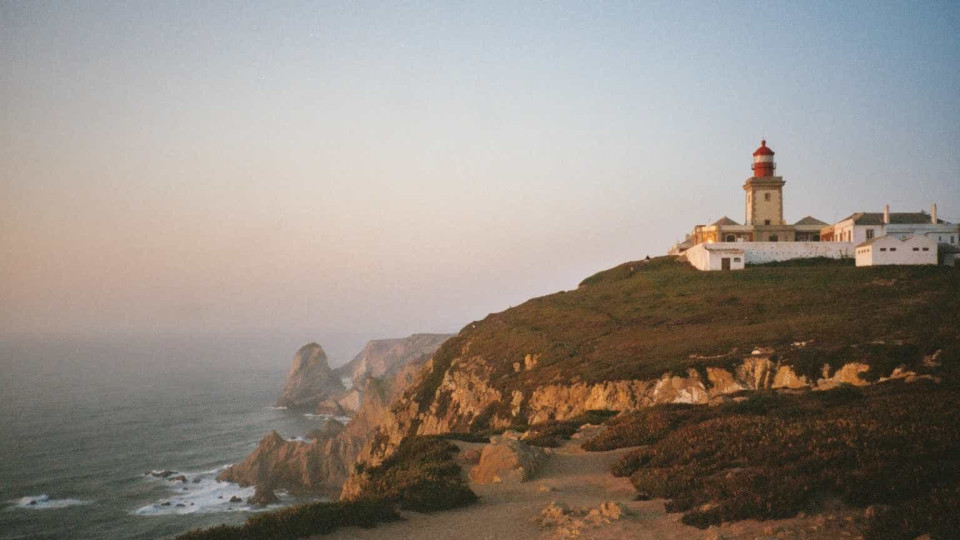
[310, 380]
[467, 394]
[321, 463]
[381, 358]
[507, 460]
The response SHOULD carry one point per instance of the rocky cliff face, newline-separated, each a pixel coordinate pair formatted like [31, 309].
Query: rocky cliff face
[468, 396]
[380, 358]
[310, 381]
[321, 464]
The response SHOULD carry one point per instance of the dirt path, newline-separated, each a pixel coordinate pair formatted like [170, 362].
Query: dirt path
[570, 476]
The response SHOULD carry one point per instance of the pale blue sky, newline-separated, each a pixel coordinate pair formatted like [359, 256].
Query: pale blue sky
[384, 168]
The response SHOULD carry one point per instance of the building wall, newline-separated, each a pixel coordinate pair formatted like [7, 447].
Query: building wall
[759, 209]
[947, 233]
[706, 259]
[846, 231]
[891, 250]
[712, 259]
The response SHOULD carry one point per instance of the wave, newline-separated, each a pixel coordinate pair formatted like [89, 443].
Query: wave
[342, 419]
[201, 493]
[44, 502]
[275, 408]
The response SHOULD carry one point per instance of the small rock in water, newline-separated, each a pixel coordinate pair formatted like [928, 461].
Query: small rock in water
[235, 499]
[196, 480]
[179, 478]
[181, 505]
[33, 503]
[167, 503]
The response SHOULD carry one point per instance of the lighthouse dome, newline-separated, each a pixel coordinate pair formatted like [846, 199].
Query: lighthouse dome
[764, 150]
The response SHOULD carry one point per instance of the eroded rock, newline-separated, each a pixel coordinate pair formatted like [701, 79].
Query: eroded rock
[507, 461]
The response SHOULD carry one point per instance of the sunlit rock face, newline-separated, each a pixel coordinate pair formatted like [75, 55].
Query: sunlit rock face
[310, 380]
[467, 394]
[380, 358]
[321, 462]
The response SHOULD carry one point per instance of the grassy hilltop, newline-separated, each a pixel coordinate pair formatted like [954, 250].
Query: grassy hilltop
[642, 319]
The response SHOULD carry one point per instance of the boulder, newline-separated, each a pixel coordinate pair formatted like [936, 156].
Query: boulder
[508, 461]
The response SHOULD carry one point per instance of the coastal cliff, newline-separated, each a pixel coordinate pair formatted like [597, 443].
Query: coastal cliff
[320, 462]
[380, 358]
[649, 333]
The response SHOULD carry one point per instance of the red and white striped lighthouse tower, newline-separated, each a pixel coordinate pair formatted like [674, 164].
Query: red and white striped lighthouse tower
[764, 194]
[763, 164]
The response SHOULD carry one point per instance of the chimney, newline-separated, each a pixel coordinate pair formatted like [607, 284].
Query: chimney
[886, 214]
[933, 213]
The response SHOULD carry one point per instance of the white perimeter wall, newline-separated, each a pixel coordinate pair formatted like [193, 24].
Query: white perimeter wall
[764, 252]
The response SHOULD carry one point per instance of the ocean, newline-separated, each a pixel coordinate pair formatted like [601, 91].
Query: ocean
[83, 422]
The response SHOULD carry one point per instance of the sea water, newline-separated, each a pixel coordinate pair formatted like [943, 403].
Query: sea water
[91, 428]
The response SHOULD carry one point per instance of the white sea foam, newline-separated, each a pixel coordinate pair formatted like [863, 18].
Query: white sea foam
[44, 502]
[275, 408]
[202, 494]
[341, 419]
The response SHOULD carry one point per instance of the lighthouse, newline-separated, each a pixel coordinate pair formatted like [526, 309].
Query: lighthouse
[764, 192]
[763, 164]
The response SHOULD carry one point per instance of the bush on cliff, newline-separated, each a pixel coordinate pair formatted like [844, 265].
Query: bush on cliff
[421, 476]
[301, 521]
[774, 455]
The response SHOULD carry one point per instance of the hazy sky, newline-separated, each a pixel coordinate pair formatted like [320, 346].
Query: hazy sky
[377, 169]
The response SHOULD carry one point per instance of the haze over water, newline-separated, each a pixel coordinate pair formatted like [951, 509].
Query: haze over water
[385, 169]
[83, 420]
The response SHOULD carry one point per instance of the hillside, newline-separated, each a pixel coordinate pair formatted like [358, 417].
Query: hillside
[777, 351]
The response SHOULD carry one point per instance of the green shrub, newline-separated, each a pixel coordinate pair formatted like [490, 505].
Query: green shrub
[772, 456]
[300, 521]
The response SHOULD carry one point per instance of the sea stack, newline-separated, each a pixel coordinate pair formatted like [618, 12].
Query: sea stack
[310, 380]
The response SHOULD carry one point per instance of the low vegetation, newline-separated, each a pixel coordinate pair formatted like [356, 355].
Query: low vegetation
[551, 434]
[421, 476]
[642, 319]
[301, 521]
[894, 446]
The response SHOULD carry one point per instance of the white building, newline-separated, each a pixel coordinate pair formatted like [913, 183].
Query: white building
[886, 250]
[735, 255]
[863, 226]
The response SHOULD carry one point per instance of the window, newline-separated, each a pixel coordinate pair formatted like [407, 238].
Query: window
[926, 249]
[951, 239]
[893, 249]
[774, 238]
[869, 234]
[731, 238]
[736, 259]
[916, 249]
[766, 222]
[883, 249]
[766, 196]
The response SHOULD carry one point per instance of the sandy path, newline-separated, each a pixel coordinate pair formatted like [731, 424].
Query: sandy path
[570, 476]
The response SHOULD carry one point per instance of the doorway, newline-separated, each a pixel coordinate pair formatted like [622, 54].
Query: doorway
[725, 263]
